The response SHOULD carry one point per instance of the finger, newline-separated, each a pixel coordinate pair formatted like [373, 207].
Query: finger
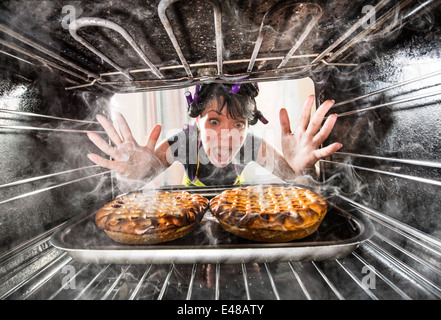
[305, 115]
[116, 166]
[325, 130]
[101, 144]
[319, 115]
[105, 163]
[110, 129]
[327, 151]
[285, 124]
[124, 128]
[153, 137]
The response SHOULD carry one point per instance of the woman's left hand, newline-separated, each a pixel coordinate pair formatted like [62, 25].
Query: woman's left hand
[301, 148]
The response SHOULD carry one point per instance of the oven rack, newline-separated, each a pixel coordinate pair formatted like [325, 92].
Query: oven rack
[378, 269]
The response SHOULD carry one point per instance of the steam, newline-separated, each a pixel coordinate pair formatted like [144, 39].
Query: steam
[209, 228]
[63, 148]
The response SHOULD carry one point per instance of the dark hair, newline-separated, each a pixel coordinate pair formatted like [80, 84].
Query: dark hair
[239, 105]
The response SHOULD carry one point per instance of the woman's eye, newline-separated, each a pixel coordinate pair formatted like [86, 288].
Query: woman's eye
[240, 125]
[214, 121]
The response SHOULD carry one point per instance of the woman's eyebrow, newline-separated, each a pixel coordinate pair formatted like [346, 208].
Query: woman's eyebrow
[219, 113]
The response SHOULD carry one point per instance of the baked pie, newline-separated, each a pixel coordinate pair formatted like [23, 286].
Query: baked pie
[147, 218]
[269, 213]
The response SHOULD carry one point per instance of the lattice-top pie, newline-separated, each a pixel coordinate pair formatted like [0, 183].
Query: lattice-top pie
[145, 218]
[269, 213]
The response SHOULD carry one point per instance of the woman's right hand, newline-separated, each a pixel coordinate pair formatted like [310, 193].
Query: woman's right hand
[128, 158]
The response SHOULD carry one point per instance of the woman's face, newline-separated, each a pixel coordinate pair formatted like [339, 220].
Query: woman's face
[221, 136]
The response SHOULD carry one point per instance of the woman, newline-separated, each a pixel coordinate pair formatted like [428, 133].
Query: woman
[216, 149]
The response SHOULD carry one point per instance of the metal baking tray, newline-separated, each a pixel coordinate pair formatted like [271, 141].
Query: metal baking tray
[340, 232]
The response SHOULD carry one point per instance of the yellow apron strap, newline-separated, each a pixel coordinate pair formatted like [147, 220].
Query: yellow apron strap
[240, 180]
[187, 182]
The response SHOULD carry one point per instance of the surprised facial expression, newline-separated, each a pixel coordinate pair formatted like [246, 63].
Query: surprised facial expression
[221, 136]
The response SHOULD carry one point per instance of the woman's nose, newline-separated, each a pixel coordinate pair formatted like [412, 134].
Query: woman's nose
[224, 135]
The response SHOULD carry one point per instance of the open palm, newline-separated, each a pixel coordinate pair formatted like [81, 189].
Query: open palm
[301, 148]
[128, 158]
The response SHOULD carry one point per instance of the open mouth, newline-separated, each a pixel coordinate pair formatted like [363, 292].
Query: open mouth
[222, 154]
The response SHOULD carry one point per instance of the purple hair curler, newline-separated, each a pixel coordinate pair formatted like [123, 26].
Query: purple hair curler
[235, 89]
[196, 97]
[189, 98]
[263, 120]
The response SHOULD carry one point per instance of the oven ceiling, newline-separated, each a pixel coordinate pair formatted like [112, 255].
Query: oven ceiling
[259, 40]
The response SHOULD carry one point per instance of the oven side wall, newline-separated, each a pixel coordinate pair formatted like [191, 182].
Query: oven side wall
[391, 155]
[33, 147]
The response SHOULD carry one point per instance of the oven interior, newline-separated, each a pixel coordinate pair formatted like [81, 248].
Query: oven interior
[62, 62]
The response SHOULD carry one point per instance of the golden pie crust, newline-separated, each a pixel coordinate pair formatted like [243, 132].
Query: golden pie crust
[148, 218]
[269, 213]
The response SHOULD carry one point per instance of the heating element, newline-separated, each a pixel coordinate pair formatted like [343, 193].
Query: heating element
[279, 17]
[379, 61]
